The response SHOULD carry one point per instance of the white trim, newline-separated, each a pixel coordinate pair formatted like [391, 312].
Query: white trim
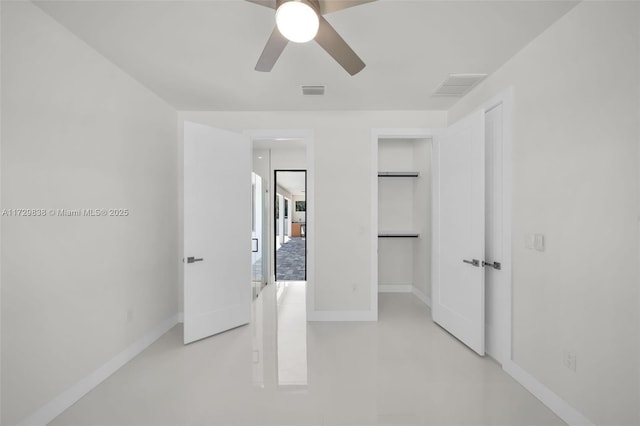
[376, 134]
[342, 316]
[373, 253]
[420, 295]
[506, 99]
[400, 133]
[507, 202]
[435, 216]
[66, 399]
[556, 404]
[394, 288]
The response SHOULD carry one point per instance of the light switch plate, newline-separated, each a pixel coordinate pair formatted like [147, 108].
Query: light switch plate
[538, 242]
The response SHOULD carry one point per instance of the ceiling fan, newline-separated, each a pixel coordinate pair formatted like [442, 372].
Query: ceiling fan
[301, 21]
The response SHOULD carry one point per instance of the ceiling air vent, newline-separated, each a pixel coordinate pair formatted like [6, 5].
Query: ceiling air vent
[458, 85]
[313, 90]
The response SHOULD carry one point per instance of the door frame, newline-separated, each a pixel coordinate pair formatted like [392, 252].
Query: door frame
[376, 135]
[306, 135]
[505, 98]
[291, 210]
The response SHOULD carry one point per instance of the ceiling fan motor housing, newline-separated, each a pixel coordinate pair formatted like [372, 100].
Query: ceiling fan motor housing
[324, 34]
[314, 4]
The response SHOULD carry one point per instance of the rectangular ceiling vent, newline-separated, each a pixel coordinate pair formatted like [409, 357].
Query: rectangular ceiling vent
[313, 90]
[458, 85]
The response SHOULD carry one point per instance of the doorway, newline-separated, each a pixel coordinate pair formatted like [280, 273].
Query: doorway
[287, 150]
[290, 205]
[404, 215]
[472, 229]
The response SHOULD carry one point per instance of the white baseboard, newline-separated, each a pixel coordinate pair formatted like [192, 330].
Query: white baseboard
[394, 288]
[549, 398]
[66, 399]
[342, 316]
[420, 295]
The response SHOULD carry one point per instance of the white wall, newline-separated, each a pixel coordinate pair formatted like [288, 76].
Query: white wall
[575, 179]
[299, 216]
[78, 133]
[343, 171]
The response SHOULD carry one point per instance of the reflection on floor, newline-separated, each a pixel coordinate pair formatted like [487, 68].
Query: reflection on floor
[292, 334]
[257, 278]
[401, 370]
[290, 260]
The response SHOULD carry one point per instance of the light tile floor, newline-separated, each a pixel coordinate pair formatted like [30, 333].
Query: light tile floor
[402, 370]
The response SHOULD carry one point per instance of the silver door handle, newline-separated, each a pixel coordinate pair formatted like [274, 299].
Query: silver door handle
[256, 241]
[474, 262]
[192, 259]
[494, 265]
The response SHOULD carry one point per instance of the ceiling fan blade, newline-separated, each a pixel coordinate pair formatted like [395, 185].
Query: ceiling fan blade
[266, 3]
[329, 6]
[329, 39]
[272, 51]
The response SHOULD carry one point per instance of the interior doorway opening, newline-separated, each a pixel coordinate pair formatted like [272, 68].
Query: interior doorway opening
[290, 225]
[404, 215]
[287, 150]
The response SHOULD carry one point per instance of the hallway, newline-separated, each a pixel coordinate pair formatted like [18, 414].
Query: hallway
[401, 370]
[290, 260]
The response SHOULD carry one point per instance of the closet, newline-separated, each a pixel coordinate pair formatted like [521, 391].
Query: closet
[404, 215]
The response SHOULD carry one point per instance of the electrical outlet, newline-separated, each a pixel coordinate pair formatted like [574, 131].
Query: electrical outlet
[569, 360]
[529, 241]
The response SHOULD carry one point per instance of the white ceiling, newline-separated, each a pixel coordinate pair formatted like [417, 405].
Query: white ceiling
[200, 55]
[294, 182]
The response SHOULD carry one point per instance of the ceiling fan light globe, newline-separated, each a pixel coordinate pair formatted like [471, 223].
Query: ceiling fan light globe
[297, 21]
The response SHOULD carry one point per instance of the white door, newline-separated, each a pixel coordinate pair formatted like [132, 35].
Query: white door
[458, 244]
[217, 231]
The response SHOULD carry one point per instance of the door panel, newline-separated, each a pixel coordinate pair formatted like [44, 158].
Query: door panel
[458, 282]
[217, 229]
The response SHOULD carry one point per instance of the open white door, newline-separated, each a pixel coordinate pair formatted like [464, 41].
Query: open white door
[458, 243]
[217, 231]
